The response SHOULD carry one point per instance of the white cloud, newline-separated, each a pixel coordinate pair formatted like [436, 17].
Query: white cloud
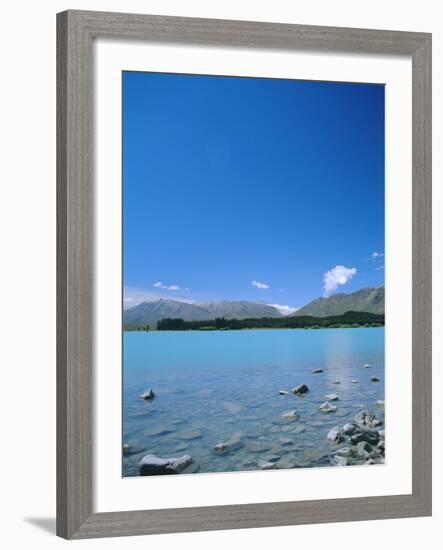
[167, 287]
[338, 275]
[285, 310]
[376, 255]
[257, 284]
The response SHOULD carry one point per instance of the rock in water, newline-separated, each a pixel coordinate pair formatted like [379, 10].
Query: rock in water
[375, 379]
[366, 366]
[283, 392]
[331, 396]
[344, 451]
[152, 465]
[327, 407]
[291, 415]
[335, 434]
[350, 428]
[267, 466]
[147, 395]
[336, 382]
[364, 449]
[381, 403]
[364, 433]
[339, 460]
[317, 371]
[228, 446]
[367, 418]
[302, 388]
[354, 381]
[127, 449]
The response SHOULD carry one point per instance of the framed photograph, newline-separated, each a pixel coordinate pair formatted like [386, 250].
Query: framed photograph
[244, 274]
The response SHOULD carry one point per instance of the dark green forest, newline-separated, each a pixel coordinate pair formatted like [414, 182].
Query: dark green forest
[350, 319]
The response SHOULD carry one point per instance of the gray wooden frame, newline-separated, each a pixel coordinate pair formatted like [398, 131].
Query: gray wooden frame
[76, 31]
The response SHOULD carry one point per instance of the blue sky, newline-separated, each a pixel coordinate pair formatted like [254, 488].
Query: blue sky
[255, 189]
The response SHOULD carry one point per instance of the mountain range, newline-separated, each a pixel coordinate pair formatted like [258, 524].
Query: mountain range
[371, 300]
[151, 312]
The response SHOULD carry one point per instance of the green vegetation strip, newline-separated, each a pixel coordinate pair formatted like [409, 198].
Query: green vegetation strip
[350, 319]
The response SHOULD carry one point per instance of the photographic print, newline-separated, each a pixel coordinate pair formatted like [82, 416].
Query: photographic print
[253, 269]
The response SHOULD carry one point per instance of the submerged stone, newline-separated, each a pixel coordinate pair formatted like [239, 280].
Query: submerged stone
[232, 444]
[331, 397]
[153, 465]
[193, 434]
[232, 408]
[163, 429]
[326, 407]
[291, 415]
[286, 441]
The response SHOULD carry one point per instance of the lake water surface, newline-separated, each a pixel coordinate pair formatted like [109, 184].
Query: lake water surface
[212, 386]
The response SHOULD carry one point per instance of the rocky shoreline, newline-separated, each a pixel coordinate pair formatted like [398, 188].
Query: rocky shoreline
[360, 441]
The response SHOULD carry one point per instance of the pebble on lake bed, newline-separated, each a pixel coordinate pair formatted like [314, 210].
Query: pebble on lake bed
[331, 396]
[231, 444]
[192, 434]
[292, 415]
[326, 407]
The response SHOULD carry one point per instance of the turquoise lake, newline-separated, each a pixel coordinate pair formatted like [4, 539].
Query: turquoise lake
[213, 386]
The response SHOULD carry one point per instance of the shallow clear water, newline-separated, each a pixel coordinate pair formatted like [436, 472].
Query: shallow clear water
[210, 386]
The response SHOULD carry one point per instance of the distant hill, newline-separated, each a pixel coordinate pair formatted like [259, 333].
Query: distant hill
[371, 300]
[240, 309]
[151, 312]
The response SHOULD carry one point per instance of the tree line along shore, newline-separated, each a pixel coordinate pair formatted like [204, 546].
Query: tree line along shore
[350, 319]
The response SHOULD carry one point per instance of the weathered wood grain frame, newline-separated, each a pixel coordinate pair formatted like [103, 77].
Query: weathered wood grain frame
[76, 31]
